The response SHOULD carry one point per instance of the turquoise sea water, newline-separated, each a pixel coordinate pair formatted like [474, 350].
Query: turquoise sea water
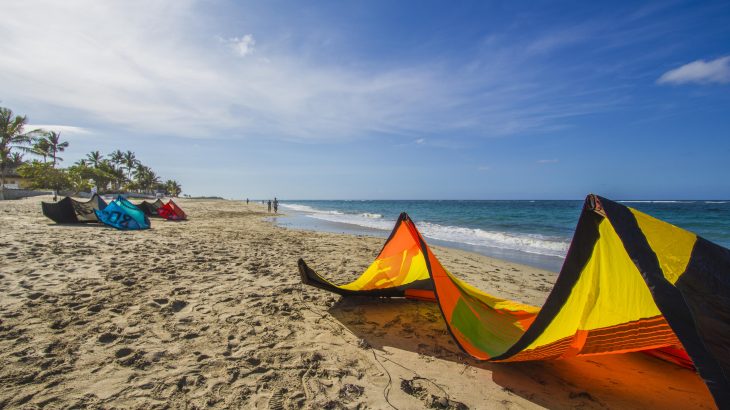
[535, 233]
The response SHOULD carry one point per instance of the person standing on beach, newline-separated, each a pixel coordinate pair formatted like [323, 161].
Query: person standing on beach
[246, 201]
[269, 206]
[276, 205]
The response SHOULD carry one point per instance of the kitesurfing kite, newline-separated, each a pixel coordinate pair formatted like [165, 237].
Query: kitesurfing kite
[124, 215]
[629, 283]
[172, 212]
[69, 210]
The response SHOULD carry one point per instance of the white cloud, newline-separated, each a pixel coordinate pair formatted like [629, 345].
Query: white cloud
[243, 46]
[160, 68]
[700, 71]
[547, 161]
[65, 129]
[420, 141]
[559, 39]
[483, 168]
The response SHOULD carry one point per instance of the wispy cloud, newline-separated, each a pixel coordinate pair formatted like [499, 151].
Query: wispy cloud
[700, 72]
[243, 46]
[547, 161]
[166, 72]
[141, 72]
[66, 129]
[555, 40]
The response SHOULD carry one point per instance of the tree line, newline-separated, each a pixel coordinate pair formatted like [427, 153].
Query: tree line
[116, 172]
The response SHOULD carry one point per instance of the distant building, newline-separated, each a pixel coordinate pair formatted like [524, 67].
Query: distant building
[15, 181]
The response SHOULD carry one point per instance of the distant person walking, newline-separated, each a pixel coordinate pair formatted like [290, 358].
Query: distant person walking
[246, 201]
[269, 205]
[276, 205]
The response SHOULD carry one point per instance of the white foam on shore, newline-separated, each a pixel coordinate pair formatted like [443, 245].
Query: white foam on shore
[530, 243]
[309, 209]
[352, 219]
[655, 202]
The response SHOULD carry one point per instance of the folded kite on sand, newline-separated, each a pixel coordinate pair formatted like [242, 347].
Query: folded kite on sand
[172, 212]
[629, 283]
[69, 210]
[150, 208]
[124, 215]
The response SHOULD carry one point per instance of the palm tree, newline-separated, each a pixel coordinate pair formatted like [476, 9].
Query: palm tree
[117, 157]
[130, 161]
[152, 180]
[141, 174]
[120, 177]
[146, 179]
[114, 174]
[16, 160]
[42, 148]
[94, 158]
[11, 137]
[55, 146]
[102, 173]
[172, 187]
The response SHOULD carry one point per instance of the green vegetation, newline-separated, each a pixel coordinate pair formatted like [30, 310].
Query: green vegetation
[118, 172]
[12, 137]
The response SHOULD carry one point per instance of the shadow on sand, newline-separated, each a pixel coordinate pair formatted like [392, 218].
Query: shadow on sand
[80, 225]
[632, 380]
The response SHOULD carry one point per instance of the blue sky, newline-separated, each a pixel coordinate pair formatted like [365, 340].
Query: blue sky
[384, 99]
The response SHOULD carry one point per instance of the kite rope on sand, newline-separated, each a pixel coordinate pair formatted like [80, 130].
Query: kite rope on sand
[386, 389]
[337, 330]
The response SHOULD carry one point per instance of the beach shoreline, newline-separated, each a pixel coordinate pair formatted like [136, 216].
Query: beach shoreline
[211, 312]
[302, 221]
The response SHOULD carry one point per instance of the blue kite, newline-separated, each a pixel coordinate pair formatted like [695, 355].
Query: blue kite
[124, 215]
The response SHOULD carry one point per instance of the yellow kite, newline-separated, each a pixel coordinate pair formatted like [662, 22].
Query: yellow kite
[629, 283]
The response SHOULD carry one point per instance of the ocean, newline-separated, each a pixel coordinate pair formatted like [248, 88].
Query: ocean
[535, 233]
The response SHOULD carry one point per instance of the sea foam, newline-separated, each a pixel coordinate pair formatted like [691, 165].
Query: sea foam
[530, 243]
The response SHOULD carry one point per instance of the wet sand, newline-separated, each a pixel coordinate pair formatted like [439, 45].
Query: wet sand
[210, 313]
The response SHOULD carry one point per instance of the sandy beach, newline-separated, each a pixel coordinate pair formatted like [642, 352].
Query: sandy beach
[210, 313]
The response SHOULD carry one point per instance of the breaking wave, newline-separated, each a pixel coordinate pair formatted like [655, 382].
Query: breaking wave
[655, 202]
[531, 243]
[308, 209]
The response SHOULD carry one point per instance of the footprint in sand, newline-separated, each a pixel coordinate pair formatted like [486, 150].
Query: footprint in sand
[107, 338]
[35, 295]
[430, 394]
[277, 400]
[58, 325]
[349, 392]
[178, 305]
[123, 352]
